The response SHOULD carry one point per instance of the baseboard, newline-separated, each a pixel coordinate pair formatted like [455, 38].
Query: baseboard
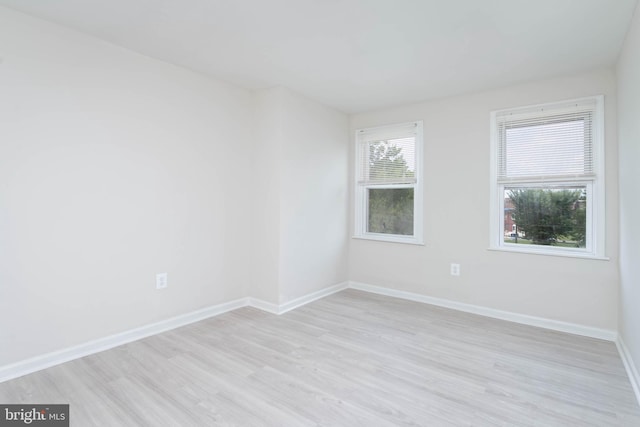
[264, 305]
[632, 371]
[306, 299]
[297, 302]
[38, 363]
[34, 364]
[540, 322]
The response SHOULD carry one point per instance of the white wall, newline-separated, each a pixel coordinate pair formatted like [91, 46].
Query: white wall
[113, 167]
[456, 222]
[315, 198]
[629, 137]
[266, 193]
[301, 171]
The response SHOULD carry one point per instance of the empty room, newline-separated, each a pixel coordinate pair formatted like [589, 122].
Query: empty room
[319, 213]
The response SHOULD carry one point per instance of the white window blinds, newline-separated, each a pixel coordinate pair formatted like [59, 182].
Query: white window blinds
[546, 143]
[387, 155]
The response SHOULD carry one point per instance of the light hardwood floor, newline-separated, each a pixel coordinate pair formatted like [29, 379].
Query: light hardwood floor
[351, 359]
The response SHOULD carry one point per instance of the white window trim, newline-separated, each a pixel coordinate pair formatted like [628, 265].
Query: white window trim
[360, 223]
[596, 227]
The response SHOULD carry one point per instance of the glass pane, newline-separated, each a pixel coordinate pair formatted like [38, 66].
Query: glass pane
[390, 211]
[391, 161]
[549, 216]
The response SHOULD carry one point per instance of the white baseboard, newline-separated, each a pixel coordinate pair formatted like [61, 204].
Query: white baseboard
[269, 307]
[306, 299]
[37, 363]
[297, 302]
[632, 371]
[44, 361]
[540, 322]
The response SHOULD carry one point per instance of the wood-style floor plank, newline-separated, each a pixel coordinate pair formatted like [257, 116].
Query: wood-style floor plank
[351, 359]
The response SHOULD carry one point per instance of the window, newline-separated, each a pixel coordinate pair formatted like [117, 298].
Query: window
[388, 195]
[547, 178]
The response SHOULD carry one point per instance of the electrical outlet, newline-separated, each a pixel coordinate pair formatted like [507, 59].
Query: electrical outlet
[161, 280]
[455, 269]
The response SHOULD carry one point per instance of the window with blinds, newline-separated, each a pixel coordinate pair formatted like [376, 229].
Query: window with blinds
[388, 187]
[387, 155]
[548, 143]
[547, 178]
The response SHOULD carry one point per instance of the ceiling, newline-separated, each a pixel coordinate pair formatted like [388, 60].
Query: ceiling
[359, 55]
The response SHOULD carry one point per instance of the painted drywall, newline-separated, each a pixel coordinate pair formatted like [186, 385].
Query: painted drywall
[456, 220]
[265, 172]
[301, 210]
[628, 70]
[113, 167]
[315, 197]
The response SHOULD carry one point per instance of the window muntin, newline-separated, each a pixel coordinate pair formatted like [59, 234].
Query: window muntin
[388, 183]
[548, 178]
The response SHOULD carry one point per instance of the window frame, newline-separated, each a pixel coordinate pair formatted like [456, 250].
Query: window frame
[361, 191]
[595, 187]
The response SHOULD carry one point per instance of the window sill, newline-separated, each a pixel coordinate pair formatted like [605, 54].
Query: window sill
[390, 239]
[560, 253]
